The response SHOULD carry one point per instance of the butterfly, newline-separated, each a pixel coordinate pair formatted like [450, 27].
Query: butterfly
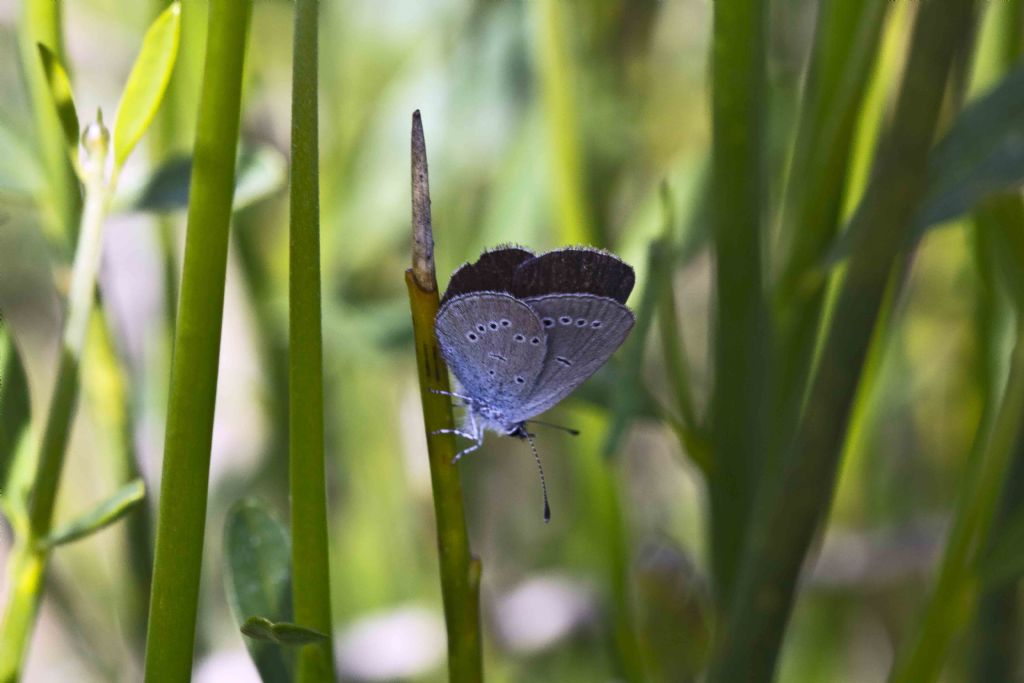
[520, 332]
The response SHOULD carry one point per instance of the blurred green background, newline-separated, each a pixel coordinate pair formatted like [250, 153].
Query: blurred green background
[524, 108]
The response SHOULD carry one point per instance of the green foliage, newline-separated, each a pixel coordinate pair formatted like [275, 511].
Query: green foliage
[14, 401]
[119, 504]
[147, 82]
[281, 633]
[60, 90]
[257, 558]
[981, 155]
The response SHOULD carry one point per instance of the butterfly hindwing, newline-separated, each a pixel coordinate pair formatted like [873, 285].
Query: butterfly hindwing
[494, 344]
[583, 331]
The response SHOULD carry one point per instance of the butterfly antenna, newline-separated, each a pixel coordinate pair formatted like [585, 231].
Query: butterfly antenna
[540, 470]
[574, 432]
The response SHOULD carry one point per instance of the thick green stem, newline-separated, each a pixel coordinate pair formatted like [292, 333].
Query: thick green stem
[788, 514]
[460, 571]
[183, 491]
[741, 356]
[310, 569]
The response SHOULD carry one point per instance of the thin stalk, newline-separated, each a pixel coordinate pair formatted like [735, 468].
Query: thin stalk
[972, 521]
[183, 491]
[741, 358]
[558, 82]
[27, 564]
[311, 592]
[845, 45]
[460, 570]
[788, 514]
[999, 620]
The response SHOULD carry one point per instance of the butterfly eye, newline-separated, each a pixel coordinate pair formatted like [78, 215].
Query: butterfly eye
[480, 328]
[520, 380]
[506, 323]
[493, 325]
[580, 322]
[535, 341]
[492, 373]
[519, 338]
[565, 320]
[471, 336]
[548, 322]
[596, 324]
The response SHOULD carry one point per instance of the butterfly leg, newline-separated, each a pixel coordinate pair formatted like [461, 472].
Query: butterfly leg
[478, 436]
[464, 451]
[452, 394]
[456, 432]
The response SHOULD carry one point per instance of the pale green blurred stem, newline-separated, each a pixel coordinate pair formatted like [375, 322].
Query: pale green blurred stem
[555, 66]
[40, 22]
[955, 587]
[27, 563]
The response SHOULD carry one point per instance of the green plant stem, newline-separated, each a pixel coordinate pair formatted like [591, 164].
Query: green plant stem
[460, 571]
[183, 492]
[28, 561]
[972, 521]
[845, 44]
[787, 515]
[737, 191]
[558, 82]
[311, 594]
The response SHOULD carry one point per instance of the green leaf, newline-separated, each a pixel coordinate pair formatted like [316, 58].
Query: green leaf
[257, 555]
[60, 91]
[981, 155]
[280, 633]
[14, 401]
[262, 170]
[147, 82]
[106, 513]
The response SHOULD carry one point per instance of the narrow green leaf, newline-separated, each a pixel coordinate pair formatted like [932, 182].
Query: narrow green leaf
[262, 171]
[14, 401]
[257, 555]
[60, 90]
[147, 82]
[281, 633]
[103, 515]
[981, 155]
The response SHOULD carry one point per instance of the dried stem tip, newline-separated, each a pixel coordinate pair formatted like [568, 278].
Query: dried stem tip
[422, 231]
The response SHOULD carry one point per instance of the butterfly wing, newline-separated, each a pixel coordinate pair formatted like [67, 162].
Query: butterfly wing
[583, 331]
[494, 344]
[492, 272]
[575, 270]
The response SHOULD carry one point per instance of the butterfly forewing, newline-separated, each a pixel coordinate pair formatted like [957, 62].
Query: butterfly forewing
[492, 272]
[575, 270]
[583, 331]
[494, 344]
